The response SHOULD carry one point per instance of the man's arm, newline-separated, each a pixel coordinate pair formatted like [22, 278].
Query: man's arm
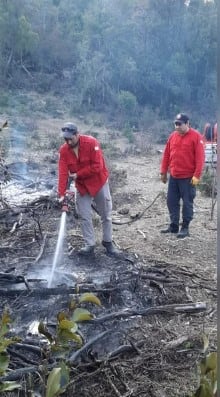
[62, 173]
[199, 157]
[165, 159]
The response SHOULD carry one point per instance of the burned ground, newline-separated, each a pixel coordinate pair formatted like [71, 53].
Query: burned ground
[158, 297]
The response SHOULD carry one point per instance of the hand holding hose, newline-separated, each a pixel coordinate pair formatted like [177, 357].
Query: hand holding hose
[61, 199]
[64, 204]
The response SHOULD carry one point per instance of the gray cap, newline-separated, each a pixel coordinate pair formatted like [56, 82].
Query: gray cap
[69, 129]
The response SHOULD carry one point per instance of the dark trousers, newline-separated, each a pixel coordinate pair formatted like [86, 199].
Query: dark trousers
[180, 189]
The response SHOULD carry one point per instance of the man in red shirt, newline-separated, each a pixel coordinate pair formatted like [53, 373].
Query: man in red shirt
[81, 158]
[184, 159]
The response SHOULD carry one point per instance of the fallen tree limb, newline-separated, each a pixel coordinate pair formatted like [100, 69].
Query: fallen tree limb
[11, 278]
[45, 292]
[171, 309]
[126, 349]
[18, 373]
[139, 215]
[24, 346]
[24, 359]
[78, 353]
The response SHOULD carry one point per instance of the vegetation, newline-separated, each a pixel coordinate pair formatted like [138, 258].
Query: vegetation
[115, 57]
[208, 373]
[66, 338]
[208, 183]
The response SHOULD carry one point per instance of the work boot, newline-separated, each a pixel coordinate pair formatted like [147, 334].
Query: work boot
[87, 250]
[110, 248]
[184, 231]
[173, 228]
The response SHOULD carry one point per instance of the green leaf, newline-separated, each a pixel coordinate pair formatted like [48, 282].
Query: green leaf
[53, 383]
[8, 386]
[208, 363]
[67, 335]
[4, 323]
[204, 390]
[4, 343]
[42, 329]
[57, 381]
[205, 343]
[6, 319]
[211, 361]
[67, 324]
[81, 315]
[90, 297]
[64, 378]
[4, 362]
[61, 316]
[4, 328]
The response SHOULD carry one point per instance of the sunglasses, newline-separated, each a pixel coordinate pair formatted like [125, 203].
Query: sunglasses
[66, 129]
[178, 123]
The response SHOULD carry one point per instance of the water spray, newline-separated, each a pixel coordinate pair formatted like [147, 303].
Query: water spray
[69, 196]
[59, 246]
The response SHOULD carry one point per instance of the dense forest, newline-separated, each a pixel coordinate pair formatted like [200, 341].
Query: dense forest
[132, 59]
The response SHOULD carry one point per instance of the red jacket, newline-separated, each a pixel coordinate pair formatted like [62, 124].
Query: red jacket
[184, 155]
[89, 166]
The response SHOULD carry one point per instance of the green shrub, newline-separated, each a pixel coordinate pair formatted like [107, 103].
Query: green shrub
[128, 133]
[207, 185]
[127, 102]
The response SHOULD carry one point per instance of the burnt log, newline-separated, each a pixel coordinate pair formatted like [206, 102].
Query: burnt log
[169, 309]
[63, 290]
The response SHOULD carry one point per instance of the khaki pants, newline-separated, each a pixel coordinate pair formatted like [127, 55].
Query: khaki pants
[103, 203]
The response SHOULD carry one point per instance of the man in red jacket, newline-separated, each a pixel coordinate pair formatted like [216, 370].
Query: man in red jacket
[81, 158]
[184, 159]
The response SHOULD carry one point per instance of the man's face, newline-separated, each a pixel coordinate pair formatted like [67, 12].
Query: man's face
[181, 127]
[73, 141]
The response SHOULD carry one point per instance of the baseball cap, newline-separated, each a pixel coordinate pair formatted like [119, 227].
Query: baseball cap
[69, 129]
[182, 118]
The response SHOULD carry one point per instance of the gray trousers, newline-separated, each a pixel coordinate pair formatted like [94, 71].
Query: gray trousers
[103, 203]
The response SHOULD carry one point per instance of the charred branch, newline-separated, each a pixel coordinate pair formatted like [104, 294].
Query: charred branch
[45, 292]
[169, 309]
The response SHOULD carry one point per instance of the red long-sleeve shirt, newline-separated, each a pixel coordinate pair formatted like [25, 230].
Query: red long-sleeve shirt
[184, 155]
[89, 166]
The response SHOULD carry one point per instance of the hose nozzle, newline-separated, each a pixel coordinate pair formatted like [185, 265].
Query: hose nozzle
[65, 208]
[65, 205]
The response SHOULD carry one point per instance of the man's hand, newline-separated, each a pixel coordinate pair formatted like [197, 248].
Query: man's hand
[60, 200]
[163, 178]
[194, 181]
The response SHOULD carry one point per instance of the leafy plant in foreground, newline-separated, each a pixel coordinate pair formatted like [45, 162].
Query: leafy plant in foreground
[66, 332]
[208, 374]
[4, 356]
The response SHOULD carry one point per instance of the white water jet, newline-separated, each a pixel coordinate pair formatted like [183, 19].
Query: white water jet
[58, 247]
